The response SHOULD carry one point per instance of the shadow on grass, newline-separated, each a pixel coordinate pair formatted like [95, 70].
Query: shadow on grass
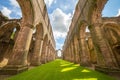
[61, 70]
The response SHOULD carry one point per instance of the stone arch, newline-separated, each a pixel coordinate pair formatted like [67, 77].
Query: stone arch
[8, 33]
[9, 26]
[36, 45]
[44, 49]
[112, 35]
[84, 51]
[95, 10]
[27, 11]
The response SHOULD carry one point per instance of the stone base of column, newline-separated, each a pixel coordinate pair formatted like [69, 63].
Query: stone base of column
[35, 64]
[43, 61]
[107, 70]
[13, 69]
[85, 64]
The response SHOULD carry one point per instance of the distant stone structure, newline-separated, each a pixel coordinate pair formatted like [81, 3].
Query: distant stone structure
[59, 54]
[100, 46]
[26, 41]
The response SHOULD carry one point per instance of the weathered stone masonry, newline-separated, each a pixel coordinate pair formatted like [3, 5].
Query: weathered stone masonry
[31, 44]
[100, 46]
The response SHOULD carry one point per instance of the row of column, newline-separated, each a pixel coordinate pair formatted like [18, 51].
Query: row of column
[42, 51]
[77, 50]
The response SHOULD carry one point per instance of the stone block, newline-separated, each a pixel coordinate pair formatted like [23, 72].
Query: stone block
[12, 70]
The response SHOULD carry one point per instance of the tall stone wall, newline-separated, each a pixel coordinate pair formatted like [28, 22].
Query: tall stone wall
[32, 43]
[102, 46]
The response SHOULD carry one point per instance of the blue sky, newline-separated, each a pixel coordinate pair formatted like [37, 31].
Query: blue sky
[60, 13]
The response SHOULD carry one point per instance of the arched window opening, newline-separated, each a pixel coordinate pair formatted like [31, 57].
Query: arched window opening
[113, 38]
[10, 15]
[13, 33]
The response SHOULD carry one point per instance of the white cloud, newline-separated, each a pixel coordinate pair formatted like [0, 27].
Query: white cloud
[6, 12]
[118, 14]
[59, 46]
[49, 2]
[13, 11]
[58, 35]
[67, 5]
[14, 3]
[60, 23]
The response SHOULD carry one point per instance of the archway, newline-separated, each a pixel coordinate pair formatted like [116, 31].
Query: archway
[83, 42]
[112, 33]
[8, 34]
[36, 45]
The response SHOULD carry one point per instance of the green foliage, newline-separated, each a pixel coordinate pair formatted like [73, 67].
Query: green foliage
[12, 35]
[61, 70]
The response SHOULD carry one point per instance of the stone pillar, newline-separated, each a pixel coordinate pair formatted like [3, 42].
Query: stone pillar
[73, 52]
[37, 51]
[43, 57]
[84, 56]
[18, 60]
[64, 54]
[51, 55]
[72, 55]
[21, 47]
[76, 50]
[104, 57]
[68, 54]
[48, 54]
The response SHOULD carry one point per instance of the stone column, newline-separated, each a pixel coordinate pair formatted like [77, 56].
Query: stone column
[68, 54]
[79, 50]
[73, 52]
[48, 54]
[76, 50]
[18, 60]
[43, 57]
[37, 51]
[84, 56]
[104, 57]
[51, 55]
[21, 47]
[64, 54]
[72, 55]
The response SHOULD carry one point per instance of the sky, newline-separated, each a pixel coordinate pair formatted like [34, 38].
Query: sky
[60, 13]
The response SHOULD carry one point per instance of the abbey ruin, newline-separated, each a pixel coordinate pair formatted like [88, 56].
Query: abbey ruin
[100, 46]
[29, 41]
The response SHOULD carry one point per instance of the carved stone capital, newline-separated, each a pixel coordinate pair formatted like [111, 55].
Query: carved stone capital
[29, 25]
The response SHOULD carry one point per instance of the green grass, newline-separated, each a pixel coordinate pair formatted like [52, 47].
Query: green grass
[61, 70]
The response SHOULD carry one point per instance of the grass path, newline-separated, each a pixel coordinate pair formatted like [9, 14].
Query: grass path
[60, 70]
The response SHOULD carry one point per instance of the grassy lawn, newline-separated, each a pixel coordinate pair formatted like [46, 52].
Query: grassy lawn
[61, 70]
